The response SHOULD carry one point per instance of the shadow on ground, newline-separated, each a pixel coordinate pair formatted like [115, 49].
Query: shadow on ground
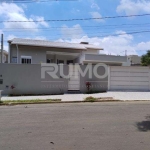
[144, 126]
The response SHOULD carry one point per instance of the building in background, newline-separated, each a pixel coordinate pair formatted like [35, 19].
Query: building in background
[135, 60]
[5, 56]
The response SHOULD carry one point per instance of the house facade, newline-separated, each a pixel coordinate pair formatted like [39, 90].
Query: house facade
[31, 63]
[27, 51]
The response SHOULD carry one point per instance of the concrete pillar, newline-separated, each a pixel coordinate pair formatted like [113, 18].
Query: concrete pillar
[9, 53]
[109, 77]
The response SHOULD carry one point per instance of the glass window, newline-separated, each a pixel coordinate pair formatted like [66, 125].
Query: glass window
[26, 60]
[48, 61]
[1, 81]
[60, 61]
[14, 59]
[69, 62]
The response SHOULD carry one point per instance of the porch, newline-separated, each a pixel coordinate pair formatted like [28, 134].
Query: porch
[60, 57]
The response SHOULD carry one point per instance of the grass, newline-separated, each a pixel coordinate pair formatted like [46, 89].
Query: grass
[90, 99]
[37, 101]
[101, 99]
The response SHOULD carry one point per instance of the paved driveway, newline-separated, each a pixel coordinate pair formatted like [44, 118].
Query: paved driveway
[80, 97]
[90, 126]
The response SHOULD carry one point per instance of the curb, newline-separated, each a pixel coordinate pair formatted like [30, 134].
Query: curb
[69, 102]
[61, 102]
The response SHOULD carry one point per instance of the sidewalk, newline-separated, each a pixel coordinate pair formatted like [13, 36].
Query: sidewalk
[80, 97]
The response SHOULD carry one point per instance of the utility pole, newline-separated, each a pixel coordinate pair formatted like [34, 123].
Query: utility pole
[125, 52]
[1, 48]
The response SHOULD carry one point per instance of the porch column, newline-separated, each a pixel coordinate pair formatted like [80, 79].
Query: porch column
[9, 53]
[55, 60]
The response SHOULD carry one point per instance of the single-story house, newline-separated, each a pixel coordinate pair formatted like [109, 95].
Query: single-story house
[5, 56]
[27, 51]
[29, 69]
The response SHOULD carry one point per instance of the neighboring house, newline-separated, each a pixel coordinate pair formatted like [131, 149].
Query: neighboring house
[135, 60]
[27, 51]
[5, 56]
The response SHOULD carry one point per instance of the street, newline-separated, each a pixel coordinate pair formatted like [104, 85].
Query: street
[76, 126]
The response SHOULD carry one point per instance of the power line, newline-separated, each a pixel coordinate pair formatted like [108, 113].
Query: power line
[109, 35]
[94, 33]
[129, 33]
[99, 26]
[90, 26]
[80, 19]
[49, 30]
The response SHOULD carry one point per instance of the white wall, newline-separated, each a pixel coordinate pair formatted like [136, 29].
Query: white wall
[129, 78]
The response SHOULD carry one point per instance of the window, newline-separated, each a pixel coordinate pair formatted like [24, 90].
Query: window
[26, 59]
[48, 61]
[60, 61]
[69, 62]
[14, 59]
[1, 81]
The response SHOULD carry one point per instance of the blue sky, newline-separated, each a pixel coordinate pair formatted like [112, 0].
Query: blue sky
[98, 32]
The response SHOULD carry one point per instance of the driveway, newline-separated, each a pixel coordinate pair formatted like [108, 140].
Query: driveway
[83, 126]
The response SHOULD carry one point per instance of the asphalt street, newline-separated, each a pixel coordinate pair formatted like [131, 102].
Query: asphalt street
[82, 126]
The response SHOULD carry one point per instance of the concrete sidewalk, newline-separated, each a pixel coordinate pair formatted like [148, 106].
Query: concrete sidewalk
[80, 97]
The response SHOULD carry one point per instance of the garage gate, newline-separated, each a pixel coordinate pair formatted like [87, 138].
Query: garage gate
[129, 78]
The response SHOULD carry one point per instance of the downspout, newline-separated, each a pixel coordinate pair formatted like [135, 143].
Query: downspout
[1, 48]
[17, 53]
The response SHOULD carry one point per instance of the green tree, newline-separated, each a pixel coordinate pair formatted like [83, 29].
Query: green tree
[146, 59]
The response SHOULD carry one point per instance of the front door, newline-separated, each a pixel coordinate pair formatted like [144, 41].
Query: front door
[74, 80]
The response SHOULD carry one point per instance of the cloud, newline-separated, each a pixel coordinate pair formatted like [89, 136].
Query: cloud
[133, 7]
[12, 12]
[72, 32]
[39, 38]
[97, 15]
[42, 23]
[11, 36]
[1, 31]
[142, 46]
[95, 6]
[114, 45]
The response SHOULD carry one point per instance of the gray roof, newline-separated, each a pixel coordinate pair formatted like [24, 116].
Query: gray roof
[45, 43]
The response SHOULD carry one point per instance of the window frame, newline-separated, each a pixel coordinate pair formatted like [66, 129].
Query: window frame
[1, 81]
[27, 58]
[14, 57]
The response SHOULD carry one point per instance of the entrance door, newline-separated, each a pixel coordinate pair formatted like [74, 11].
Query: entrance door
[74, 81]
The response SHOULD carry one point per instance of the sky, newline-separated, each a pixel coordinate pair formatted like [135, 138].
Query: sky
[111, 34]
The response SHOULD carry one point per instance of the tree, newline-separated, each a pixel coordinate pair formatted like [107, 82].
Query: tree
[146, 59]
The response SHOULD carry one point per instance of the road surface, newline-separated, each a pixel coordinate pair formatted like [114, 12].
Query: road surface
[83, 126]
